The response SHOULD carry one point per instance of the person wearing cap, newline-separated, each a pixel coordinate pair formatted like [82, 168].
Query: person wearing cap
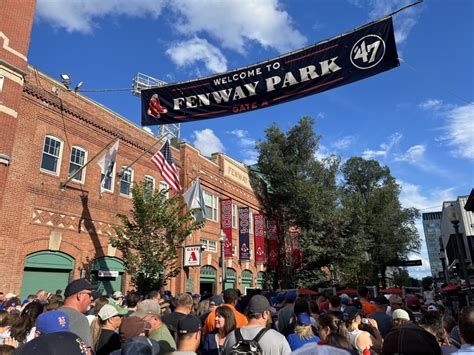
[110, 318]
[410, 339]
[117, 296]
[150, 311]
[399, 317]
[78, 298]
[360, 339]
[396, 302]
[303, 332]
[230, 299]
[184, 304]
[259, 313]
[286, 313]
[56, 343]
[384, 321]
[189, 335]
[52, 322]
[214, 302]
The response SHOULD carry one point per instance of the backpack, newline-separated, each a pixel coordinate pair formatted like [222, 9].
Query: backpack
[247, 346]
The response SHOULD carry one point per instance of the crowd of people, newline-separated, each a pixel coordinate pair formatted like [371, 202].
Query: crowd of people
[81, 321]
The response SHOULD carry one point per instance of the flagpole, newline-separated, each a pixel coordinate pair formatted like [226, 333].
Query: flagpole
[63, 184]
[132, 163]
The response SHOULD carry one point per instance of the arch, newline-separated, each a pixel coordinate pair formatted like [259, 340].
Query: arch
[46, 259]
[207, 279]
[247, 280]
[208, 271]
[108, 273]
[230, 278]
[108, 263]
[260, 279]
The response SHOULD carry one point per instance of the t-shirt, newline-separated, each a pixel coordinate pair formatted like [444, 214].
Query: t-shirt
[163, 336]
[284, 317]
[78, 324]
[367, 307]
[210, 323]
[296, 342]
[384, 322]
[108, 341]
[171, 320]
[272, 342]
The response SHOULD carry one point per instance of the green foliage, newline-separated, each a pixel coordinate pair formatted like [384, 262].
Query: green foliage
[426, 281]
[401, 278]
[149, 239]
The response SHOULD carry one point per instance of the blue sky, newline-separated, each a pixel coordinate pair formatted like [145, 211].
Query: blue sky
[418, 118]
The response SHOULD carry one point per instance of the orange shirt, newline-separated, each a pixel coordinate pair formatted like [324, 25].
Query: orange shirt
[367, 308]
[210, 323]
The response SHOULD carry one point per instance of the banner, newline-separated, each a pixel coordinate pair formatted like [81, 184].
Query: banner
[353, 56]
[226, 218]
[244, 225]
[273, 246]
[259, 238]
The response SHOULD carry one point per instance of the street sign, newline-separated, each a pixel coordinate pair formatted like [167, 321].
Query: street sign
[192, 255]
[410, 263]
[107, 273]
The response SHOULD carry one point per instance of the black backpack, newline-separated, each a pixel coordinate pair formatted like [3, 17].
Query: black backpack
[247, 346]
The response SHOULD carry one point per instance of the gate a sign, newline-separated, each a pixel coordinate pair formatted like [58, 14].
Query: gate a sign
[192, 255]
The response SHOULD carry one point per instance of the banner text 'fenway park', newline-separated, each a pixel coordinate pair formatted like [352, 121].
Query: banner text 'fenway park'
[353, 56]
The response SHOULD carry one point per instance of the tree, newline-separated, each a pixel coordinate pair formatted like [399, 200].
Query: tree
[401, 277]
[149, 239]
[370, 200]
[427, 282]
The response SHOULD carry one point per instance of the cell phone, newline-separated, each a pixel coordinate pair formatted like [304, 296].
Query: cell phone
[365, 321]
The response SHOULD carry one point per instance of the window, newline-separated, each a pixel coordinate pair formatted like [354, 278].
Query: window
[126, 181]
[235, 216]
[78, 159]
[210, 245]
[51, 159]
[211, 203]
[149, 186]
[109, 180]
[164, 186]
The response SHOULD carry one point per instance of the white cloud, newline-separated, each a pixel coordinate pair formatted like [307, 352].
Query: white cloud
[248, 153]
[412, 196]
[431, 104]
[236, 22]
[414, 155]
[418, 272]
[460, 131]
[343, 143]
[198, 50]
[207, 142]
[81, 15]
[148, 129]
[385, 148]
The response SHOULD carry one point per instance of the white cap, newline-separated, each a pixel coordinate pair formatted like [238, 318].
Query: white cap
[111, 310]
[400, 314]
[10, 295]
[117, 294]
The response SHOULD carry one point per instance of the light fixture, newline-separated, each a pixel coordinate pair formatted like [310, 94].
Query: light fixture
[78, 86]
[222, 236]
[66, 80]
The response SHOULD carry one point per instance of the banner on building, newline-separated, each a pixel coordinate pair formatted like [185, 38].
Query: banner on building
[192, 255]
[244, 230]
[273, 245]
[226, 218]
[346, 58]
[259, 238]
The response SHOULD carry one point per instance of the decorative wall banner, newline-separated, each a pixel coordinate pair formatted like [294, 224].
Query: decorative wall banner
[244, 225]
[259, 235]
[226, 218]
[273, 245]
[349, 57]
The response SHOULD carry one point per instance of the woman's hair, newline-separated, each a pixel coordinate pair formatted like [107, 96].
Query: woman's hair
[351, 325]
[133, 299]
[449, 323]
[6, 349]
[313, 307]
[3, 318]
[203, 307]
[230, 322]
[52, 306]
[338, 336]
[433, 323]
[23, 325]
[304, 332]
[399, 321]
[55, 298]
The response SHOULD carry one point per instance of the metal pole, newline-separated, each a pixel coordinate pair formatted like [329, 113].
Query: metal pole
[222, 238]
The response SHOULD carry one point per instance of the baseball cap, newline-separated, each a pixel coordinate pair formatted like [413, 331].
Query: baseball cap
[280, 297]
[111, 310]
[400, 314]
[76, 286]
[117, 295]
[395, 299]
[303, 319]
[351, 312]
[413, 302]
[10, 295]
[12, 302]
[147, 307]
[189, 324]
[216, 301]
[381, 300]
[259, 304]
[140, 345]
[291, 296]
[410, 339]
[58, 343]
[432, 307]
[132, 326]
[52, 322]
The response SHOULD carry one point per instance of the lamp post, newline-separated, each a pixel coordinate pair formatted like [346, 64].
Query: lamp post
[222, 238]
[453, 218]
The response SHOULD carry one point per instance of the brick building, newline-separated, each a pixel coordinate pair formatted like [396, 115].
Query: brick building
[49, 235]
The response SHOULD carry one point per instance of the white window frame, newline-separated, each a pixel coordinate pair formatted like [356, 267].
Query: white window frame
[59, 157]
[235, 216]
[213, 205]
[83, 172]
[210, 245]
[112, 180]
[148, 179]
[124, 172]
[164, 186]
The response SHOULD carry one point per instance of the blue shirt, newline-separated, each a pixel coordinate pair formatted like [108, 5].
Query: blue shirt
[296, 342]
[465, 349]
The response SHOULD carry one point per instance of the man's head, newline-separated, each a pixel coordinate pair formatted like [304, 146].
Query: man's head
[290, 297]
[154, 295]
[133, 299]
[111, 314]
[381, 303]
[52, 322]
[363, 291]
[259, 310]
[78, 295]
[41, 295]
[150, 311]
[395, 302]
[214, 302]
[466, 325]
[133, 326]
[184, 303]
[231, 296]
[334, 303]
[189, 333]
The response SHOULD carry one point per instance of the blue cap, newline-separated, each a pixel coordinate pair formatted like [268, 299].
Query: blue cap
[291, 296]
[52, 322]
[280, 297]
[303, 319]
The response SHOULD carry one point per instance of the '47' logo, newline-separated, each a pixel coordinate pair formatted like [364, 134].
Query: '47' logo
[367, 52]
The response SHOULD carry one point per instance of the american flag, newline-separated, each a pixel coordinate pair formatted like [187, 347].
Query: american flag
[164, 162]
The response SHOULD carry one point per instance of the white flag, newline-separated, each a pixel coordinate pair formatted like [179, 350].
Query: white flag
[106, 163]
[194, 199]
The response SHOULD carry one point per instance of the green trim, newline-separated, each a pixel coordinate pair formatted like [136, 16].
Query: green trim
[108, 263]
[49, 260]
[208, 274]
[247, 275]
[230, 273]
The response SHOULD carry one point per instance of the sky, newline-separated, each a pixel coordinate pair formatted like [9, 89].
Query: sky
[417, 119]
